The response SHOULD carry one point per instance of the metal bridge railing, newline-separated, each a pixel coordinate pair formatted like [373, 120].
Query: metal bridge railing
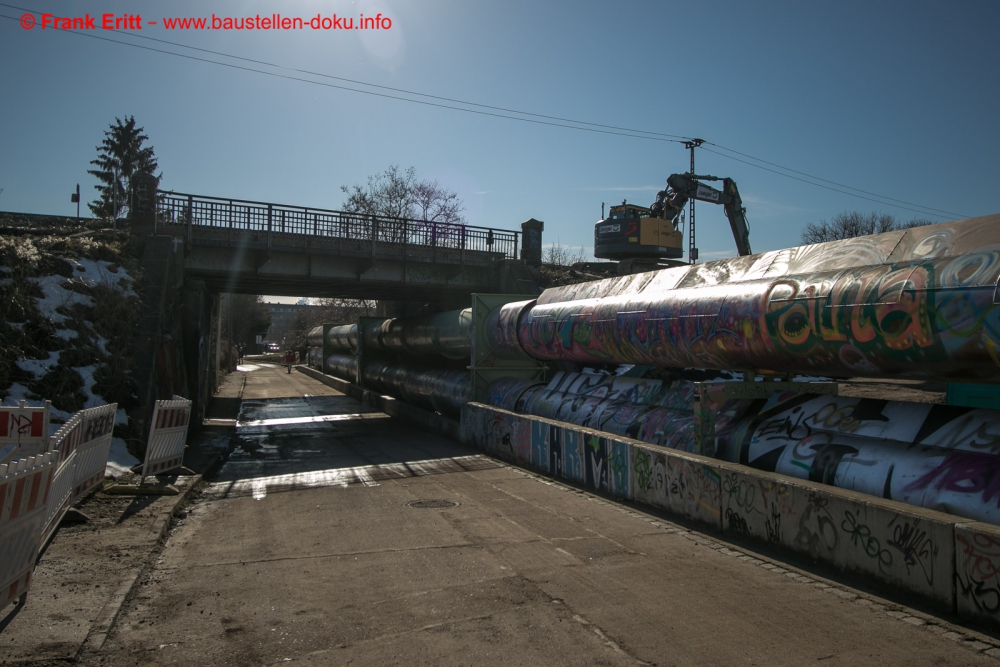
[174, 208]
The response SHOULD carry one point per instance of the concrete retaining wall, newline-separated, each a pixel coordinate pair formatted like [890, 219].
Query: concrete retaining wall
[977, 571]
[944, 559]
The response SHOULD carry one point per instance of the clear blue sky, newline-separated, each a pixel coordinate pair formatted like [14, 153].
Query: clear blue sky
[898, 98]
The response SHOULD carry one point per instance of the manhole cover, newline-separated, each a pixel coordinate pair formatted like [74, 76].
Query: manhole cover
[431, 504]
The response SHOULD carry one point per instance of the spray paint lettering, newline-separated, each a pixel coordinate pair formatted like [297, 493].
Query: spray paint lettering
[977, 571]
[817, 532]
[915, 546]
[643, 469]
[963, 472]
[861, 535]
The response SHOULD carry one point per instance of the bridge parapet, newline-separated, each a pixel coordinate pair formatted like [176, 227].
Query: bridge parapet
[229, 222]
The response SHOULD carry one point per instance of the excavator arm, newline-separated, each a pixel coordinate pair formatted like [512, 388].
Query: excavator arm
[689, 186]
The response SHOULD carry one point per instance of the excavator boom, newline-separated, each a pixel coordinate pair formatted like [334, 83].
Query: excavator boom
[689, 186]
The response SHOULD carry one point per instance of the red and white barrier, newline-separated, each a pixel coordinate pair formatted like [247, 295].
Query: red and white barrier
[63, 447]
[24, 431]
[167, 435]
[93, 448]
[24, 491]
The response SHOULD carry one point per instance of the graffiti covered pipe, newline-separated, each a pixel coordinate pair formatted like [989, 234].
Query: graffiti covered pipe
[927, 319]
[933, 456]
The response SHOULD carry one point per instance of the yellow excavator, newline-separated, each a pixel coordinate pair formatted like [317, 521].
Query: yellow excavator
[638, 232]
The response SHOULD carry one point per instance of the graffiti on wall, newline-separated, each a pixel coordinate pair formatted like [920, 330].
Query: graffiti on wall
[677, 484]
[977, 572]
[934, 456]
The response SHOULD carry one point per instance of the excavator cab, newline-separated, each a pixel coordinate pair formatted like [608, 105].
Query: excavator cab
[631, 231]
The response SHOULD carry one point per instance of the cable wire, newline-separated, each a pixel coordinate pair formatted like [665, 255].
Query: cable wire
[825, 187]
[363, 92]
[590, 126]
[794, 171]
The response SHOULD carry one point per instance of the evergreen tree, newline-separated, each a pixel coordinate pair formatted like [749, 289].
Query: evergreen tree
[121, 159]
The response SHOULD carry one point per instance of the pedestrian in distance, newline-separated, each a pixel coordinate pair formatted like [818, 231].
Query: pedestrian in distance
[289, 360]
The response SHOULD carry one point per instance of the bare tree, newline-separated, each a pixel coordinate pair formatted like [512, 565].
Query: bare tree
[388, 194]
[248, 315]
[430, 201]
[851, 224]
[560, 255]
[343, 311]
[330, 311]
[398, 194]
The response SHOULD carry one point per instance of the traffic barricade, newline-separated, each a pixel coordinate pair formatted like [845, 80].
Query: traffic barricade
[24, 491]
[62, 445]
[93, 448]
[167, 436]
[24, 431]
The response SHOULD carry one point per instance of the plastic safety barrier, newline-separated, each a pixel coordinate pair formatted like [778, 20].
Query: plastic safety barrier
[24, 492]
[92, 450]
[63, 447]
[167, 435]
[24, 431]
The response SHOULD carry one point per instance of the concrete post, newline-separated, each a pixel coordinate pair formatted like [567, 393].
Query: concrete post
[531, 241]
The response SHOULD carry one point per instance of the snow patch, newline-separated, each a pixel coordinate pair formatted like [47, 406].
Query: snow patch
[67, 334]
[38, 367]
[119, 460]
[16, 393]
[55, 296]
[98, 272]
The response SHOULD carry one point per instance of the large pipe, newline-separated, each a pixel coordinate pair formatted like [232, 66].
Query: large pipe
[819, 311]
[315, 337]
[446, 334]
[440, 390]
[343, 338]
[344, 366]
[932, 456]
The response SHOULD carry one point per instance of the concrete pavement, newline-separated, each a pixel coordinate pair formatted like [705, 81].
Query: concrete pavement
[335, 535]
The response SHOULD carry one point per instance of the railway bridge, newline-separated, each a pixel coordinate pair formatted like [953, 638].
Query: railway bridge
[251, 247]
[197, 248]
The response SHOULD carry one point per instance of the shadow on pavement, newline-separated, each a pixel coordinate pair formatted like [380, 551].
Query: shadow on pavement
[286, 444]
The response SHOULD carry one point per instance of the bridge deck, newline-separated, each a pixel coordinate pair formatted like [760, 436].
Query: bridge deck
[261, 248]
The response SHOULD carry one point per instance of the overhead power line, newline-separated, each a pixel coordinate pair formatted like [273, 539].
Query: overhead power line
[794, 171]
[827, 187]
[499, 112]
[371, 85]
[364, 92]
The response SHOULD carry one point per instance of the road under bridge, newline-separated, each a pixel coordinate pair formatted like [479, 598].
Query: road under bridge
[336, 535]
[197, 248]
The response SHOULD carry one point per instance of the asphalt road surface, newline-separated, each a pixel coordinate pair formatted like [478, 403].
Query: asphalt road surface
[336, 535]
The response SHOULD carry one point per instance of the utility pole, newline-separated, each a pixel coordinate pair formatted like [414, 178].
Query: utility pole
[114, 195]
[692, 248]
[76, 198]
